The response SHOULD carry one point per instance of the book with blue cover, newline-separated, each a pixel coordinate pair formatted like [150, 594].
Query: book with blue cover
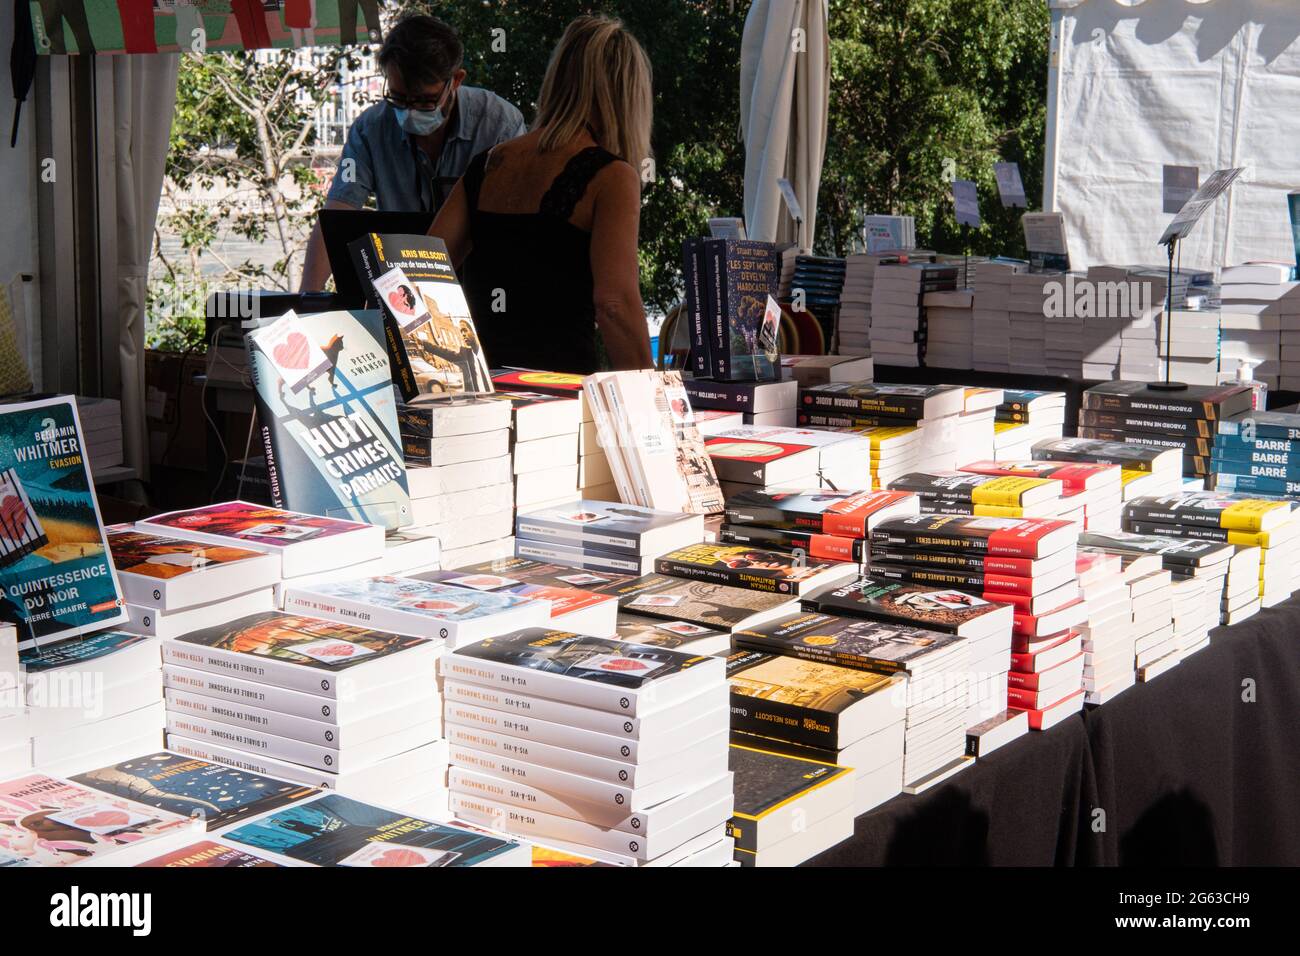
[56, 576]
[334, 830]
[327, 416]
[214, 793]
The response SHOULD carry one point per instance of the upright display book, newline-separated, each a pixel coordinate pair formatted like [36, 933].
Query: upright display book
[872, 645]
[49, 822]
[656, 452]
[814, 704]
[695, 274]
[334, 830]
[697, 602]
[329, 430]
[1008, 537]
[305, 544]
[56, 577]
[1195, 401]
[1211, 509]
[430, 334]
[847, 514]
[612, 526]
[773, 572]
[609, 675]
[170, 573]
[742, 274]
[1129, 456]
[418, 607]
[216, 794]
[858, 399]
[302, 653]
[900, 603]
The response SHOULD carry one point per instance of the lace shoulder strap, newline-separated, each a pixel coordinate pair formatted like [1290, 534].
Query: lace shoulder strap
[567, 190]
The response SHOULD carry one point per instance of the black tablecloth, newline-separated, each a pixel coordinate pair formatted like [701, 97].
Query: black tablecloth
[1200, 767]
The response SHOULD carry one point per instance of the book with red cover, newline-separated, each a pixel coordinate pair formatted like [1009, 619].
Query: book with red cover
[1040, 625]
[971, 562]
[1035, 681]
[849, 514]
[1075, 476]
[1005, 588]
[563, 384]
[759, 462]
[1012, 537]
[1053, 714]
[821, 547]
[1043, 655]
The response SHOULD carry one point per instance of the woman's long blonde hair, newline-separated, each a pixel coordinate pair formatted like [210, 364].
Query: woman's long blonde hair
[599, 80]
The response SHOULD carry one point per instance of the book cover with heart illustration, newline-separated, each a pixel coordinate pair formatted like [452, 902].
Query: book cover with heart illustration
[45, 821]
[329, 428]
[432, 341]
[56, 577]
[334, 830]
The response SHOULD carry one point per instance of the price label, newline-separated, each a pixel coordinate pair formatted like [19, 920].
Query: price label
[1010, 186]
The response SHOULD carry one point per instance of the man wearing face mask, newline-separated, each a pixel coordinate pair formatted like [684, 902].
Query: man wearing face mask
[408, 151]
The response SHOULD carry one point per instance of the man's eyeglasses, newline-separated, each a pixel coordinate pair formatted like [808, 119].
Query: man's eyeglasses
[420, 105]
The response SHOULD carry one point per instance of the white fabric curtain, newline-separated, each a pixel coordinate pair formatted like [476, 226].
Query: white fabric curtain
[144, 99]
[1140, 84]
[784, 96]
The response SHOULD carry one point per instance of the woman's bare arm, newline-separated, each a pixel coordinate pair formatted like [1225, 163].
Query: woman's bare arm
[451, 225]
[616, 294]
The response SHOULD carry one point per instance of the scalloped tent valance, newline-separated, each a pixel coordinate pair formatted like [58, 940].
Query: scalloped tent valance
[1134, 86]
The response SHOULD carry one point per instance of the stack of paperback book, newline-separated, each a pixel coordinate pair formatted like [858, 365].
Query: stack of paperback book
[1155, 645]
[303, 545]
[1143, 470]
[545, 432]
[310, 701]
[898, 322]
[1092, 493]
[989, 496]
[843, 458]
[896, 638]
[615, 750]
[949, 330]
[15, 745]
[821, 525]
[991, 316]
[646, 427]
[978, 422]
[1185, 420]
[854, 331]
[936, 410]
[92, 699]
[810, 370]
[173, 586]
[1188, 340]
[745, 463]
[48, 821]
[818, 283]
[574, 606]
[1257, 452]
[1269, 525]
[1026, 563]
[788, 808]
[771, 404]
[1260, 305]
[837, 715]
[1024, 419]
[460, 472]
[604, 536]
[101, 429]
[1108, 643]
[595, 477]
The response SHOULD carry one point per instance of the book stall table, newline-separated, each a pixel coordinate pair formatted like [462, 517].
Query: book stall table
[1198, 767]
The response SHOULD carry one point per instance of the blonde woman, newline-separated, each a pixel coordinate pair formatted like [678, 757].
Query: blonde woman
[543, 228]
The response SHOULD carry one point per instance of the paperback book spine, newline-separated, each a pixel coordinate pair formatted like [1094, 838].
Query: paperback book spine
[838, 658]
[581, 718]
[255, 718]
[696, 272]
[255, 741]
[572, 785]
[986, 564]
[1190, 446]
[910, 407]
[784, 721]
[977, 582]
[623, 748]
[261, 669]
[716, 281]
[1178, 428]
[265, 417]
[560, 758]
[471, 783]
[524, 680]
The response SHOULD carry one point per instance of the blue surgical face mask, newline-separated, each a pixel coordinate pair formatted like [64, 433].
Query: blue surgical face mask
[420, 122]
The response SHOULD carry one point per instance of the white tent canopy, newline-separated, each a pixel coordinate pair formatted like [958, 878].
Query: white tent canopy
[1137, 84]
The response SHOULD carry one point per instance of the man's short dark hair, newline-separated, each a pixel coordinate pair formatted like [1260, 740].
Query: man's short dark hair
[424, 50]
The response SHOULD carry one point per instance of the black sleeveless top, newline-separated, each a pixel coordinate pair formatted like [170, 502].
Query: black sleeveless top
[528, 278]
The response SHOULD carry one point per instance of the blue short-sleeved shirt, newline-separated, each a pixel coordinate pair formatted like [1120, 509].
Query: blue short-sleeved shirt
[388, 165]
